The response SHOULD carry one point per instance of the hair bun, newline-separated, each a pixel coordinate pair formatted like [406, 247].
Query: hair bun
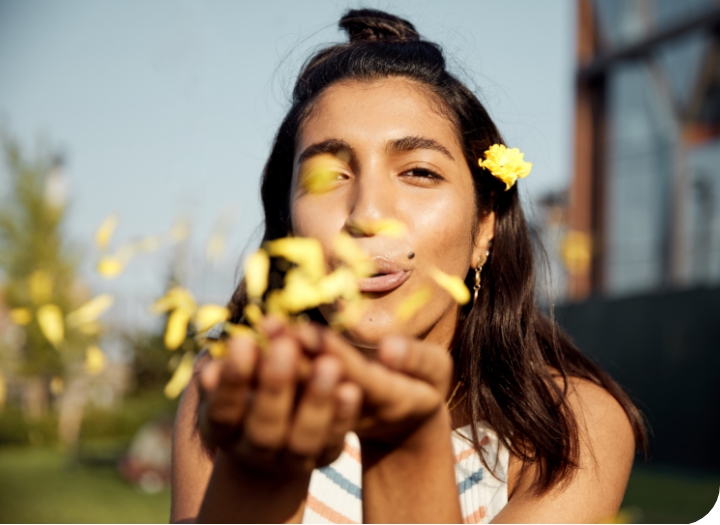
[371, 25]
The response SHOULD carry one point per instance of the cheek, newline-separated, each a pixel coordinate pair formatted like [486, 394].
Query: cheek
[312, 218]
[442, 233]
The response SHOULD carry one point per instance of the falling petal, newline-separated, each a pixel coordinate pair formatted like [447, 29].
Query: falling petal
[41, 285]
[350, 252]
[94, 360]
[305, 252]
[412, 304]
[257, 268]
[110, 266]
[105, 231]
[57, 385]
[209, 315]
[299, 293]
[349, 315]
[215, 248]
[50, 319]
[91, 328]
[21, 316]
[181, 377]
[340, 284]
[90, 311]
[176, 297]
[452, 284]
[180, 231]
[320, 173]
[239, 330]
[253, 314]
[217, 349]
[386, 227]
[176, 330]
[147, 244]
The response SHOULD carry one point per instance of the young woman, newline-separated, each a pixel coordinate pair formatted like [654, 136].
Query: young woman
[480, 413]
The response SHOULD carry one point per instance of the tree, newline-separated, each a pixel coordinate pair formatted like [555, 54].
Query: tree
[40, 281]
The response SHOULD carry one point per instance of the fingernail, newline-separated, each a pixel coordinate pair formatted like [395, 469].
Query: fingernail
[280, 358]
[394, 350]
[325, 377]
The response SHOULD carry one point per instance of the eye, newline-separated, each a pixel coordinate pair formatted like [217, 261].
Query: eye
[425, 175]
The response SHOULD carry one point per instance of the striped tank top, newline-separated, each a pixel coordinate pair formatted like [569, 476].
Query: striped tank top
[335, 494]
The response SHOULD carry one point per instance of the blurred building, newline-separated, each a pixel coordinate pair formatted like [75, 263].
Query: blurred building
[646, 185]
[642, 248]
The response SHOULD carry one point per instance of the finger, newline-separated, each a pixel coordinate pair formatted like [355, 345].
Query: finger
[309, 337]
[425, 361]
[316, 409]
[348, 402]
[268, 419]
[226, 386]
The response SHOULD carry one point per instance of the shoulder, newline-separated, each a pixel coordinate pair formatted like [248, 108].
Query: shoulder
[606, 451]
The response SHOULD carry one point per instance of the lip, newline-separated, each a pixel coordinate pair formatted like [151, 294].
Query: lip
[393, 275]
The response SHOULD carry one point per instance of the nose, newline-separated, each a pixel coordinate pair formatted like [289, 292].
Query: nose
[372, 199]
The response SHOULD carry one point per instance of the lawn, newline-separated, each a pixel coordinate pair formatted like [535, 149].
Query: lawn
[40, 485]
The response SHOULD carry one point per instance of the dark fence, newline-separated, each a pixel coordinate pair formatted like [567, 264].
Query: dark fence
[664, 349]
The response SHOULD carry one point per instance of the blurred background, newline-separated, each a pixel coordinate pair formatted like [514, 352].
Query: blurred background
[133, 136]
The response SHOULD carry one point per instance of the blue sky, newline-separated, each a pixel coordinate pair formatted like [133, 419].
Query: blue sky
[166, 109]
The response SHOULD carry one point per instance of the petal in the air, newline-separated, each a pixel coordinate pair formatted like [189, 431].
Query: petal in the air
[257, 268]
[452, 284]
[50, 319]
[181, 377]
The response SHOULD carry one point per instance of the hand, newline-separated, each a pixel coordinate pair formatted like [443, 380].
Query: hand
[282, 412]
[405, 388]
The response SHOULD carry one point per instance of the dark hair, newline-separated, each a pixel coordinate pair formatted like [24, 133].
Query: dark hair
[506, 351]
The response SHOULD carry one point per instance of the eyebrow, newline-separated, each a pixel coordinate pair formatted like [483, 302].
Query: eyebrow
[331, 146]
[412, 143]
[335, 146]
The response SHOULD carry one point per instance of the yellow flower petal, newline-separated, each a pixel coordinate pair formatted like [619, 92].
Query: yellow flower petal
[239, 330]
[342, 283]
[253, 314]
[110, 266]
[215, 248]
[305, 252]
[217, 349]
[320, 173]
[350, 252]
[576, 252]
[146, 244]
[508, 165]
[41, 285]
[299, 292]
[257, 268]
[349, 315]
[176, 297]
[180, 231]
[452, 284]
[387, 227]
[57, 385]
[105, 231]
[91, 328]
[21, 316]
[50, 319]
[209, 315]
[176, 329]
[181, 377]
[94, 360]
[90, 311]
[413, 303]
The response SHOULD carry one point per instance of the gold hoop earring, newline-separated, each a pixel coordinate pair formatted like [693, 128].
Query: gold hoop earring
[478, 270]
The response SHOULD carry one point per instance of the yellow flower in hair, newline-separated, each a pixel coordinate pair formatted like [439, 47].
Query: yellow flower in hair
[508, 165]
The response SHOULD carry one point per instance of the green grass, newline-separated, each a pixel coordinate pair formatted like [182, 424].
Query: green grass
[40, 485]
[664, 495]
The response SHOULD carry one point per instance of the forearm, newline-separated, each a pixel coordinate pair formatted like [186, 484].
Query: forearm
[236, 495]
[414, 482]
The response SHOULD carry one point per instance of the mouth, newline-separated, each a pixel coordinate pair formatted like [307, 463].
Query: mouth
[389, 276]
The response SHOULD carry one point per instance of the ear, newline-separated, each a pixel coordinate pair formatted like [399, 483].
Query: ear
[485, 234]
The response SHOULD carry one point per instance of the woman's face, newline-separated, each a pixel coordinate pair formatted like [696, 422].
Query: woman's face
[396, 157]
